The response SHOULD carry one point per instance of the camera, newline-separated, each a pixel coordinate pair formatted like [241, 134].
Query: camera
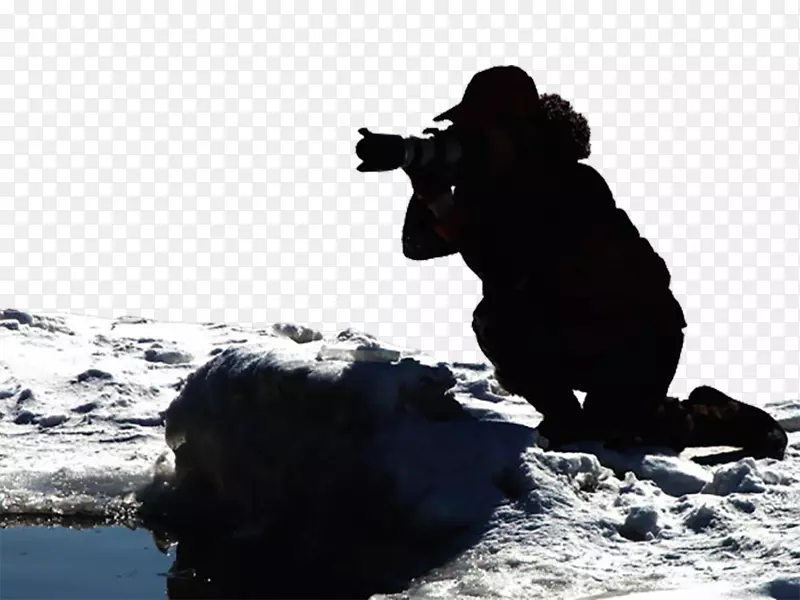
[443, 149]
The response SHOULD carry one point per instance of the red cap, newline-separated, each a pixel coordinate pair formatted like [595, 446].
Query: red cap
[496, 93]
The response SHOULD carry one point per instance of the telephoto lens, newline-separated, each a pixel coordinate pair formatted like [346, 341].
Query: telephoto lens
[387, 152]
[442, 151]
[380, 151]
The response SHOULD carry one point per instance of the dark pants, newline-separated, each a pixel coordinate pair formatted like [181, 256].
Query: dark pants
[625, 368]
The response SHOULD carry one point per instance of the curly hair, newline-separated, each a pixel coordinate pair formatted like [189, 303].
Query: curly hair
[566, 132]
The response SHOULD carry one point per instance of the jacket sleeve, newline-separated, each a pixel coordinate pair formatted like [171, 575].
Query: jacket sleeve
[420, 239]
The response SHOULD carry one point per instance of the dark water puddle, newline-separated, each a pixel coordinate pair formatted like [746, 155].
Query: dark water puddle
[46, 562]
[143, 555]
[79, 558]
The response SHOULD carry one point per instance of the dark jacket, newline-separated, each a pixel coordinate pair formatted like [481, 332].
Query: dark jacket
[553, 234]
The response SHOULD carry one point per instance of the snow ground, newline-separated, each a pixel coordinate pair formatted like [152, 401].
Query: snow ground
[82, 404]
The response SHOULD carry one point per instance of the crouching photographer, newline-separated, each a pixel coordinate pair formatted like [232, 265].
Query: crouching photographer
[574, 298]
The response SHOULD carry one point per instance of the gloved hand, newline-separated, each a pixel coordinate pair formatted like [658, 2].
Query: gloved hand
[433, 188]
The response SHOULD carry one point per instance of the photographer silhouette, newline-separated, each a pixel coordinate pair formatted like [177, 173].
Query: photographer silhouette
[574, 298]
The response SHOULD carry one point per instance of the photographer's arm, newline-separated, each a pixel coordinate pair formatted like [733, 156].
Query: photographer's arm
[420, 238]
[434, 223]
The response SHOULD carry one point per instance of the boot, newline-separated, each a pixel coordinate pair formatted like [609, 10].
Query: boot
[707, 418]
[716, 419]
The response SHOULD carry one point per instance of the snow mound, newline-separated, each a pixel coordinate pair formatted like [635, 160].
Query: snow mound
[273, 431]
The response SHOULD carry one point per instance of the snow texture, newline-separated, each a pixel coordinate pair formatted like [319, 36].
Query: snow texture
[341, 436]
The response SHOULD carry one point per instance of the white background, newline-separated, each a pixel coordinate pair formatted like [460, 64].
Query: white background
[195, 161]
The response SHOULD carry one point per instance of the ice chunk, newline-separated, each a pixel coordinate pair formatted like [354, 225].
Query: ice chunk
[297, 333]
[19, 316]
[10, 324]
[740, 477]
[52, 421]
[674, 475]
[360, 353]
[169, 357]
[94, 374]
[355, 346]
[641, 523]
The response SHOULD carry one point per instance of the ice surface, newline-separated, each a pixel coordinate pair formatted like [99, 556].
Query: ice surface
[334, 433]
